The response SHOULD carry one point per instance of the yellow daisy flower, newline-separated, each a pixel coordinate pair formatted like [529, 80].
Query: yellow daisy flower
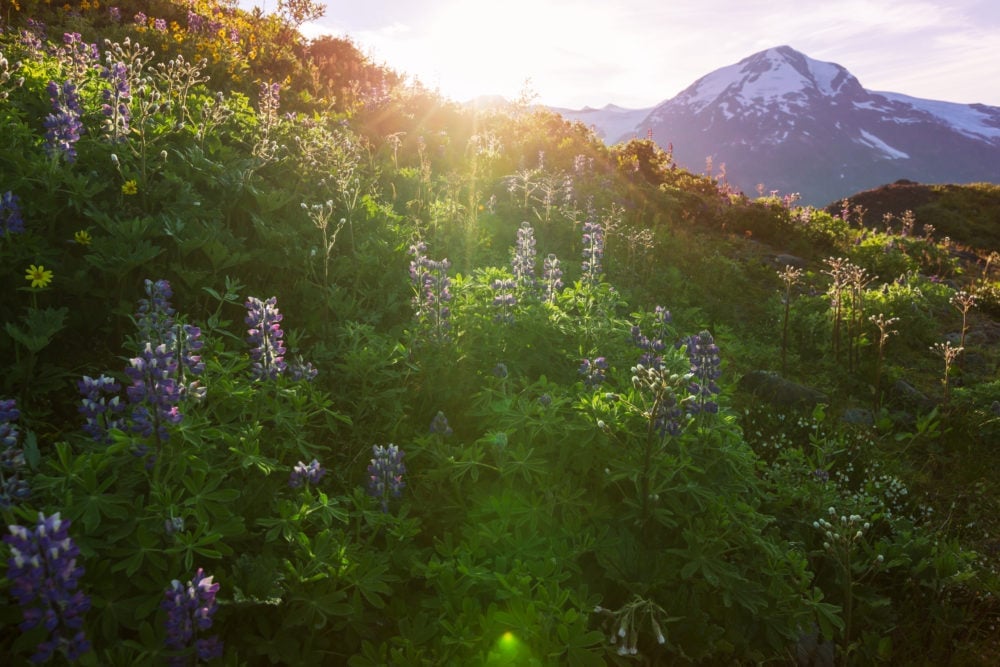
[82, 237]
[130, 187]
[39, 277]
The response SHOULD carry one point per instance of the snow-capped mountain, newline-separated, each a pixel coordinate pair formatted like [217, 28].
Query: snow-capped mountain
[794, 124]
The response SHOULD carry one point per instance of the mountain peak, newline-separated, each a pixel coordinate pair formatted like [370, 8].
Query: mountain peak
[775, 78]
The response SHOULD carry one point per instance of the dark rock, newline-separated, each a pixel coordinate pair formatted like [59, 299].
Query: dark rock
[776, 390]
[812, 651]
[858, 417]
[974, 363]
[905, 394]
[789, 260]
[987, 333]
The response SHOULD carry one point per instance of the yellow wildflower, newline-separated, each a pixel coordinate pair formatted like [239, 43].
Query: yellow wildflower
[82, 237]
[130, 187]
[39, 277]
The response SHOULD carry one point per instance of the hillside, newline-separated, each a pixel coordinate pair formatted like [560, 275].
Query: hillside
[968, 214]
[305, 365]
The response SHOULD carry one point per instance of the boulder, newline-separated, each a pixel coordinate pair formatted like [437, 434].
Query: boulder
[784, 260]
[776, 390]
[858, 417]
[905, 394]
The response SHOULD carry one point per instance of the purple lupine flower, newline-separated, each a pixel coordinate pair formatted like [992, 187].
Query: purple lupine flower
[440, 425]
[500, 370]
[12, 487]
[44, 575]
[155, 392]
[190, 609]
[664, 413]
[173, 525]
[186, 340]
[653, 346]
[11, 221]
[116, 96]
[159, 373]
[76, 56]
[37, 27]
[32, 40]
[160, 25]
[115, 14]
[551, 277]
[522, 262]
[302, 370]
[8, 430]
[154, 317]
[155, 321]
[433, 287]
[667, 414]
[705, 370]
[264, 335]
[63, 126]
[141, 19]
[195, 22]
[593, 252]
[504, 299]
[101, 407]
[385, 473]
[306, 474]
[593, 371]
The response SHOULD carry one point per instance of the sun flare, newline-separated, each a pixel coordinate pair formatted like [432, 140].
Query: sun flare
[496, 48]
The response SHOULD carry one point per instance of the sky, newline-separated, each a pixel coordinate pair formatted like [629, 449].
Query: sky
[638, 53]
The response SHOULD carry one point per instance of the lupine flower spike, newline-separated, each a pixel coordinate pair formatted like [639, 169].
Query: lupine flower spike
[385, 473]
[306, 474]
[265, 337]
[433, 293]
[522, 263]
[190, 609]
[593, 252]
[63, 126]
[11, 220]
[653, 346]
[551, 277]
[704, 356]
[44, 576]
[12, 487]
[593, 371]
[440, 425]
[101, 406]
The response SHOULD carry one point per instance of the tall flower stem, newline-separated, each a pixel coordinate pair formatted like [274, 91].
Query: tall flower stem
[789, 276]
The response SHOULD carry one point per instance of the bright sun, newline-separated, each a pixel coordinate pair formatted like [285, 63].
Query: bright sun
[493, 48]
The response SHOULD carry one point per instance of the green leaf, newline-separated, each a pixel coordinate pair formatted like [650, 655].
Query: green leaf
[41, 325]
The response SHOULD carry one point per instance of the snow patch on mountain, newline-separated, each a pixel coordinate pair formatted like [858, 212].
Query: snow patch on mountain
[976, 121]
[869, 139]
